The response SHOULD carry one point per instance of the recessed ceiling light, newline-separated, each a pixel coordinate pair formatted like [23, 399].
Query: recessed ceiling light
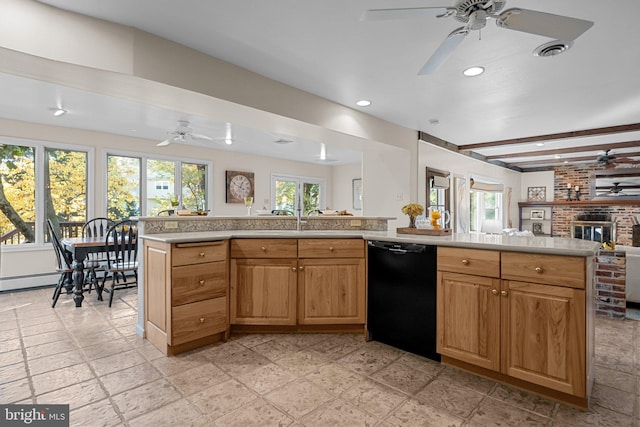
[363, 103]
[473, 71]
[540, 144]
[57, 111]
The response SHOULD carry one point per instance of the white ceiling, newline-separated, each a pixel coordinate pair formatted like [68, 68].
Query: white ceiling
[322, 47]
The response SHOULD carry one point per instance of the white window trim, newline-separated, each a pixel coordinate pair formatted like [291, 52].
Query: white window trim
[299, 181]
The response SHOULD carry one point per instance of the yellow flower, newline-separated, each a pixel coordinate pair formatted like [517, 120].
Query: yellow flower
[412, 209]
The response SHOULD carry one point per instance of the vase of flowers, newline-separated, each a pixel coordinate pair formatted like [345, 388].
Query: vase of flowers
[413, 210]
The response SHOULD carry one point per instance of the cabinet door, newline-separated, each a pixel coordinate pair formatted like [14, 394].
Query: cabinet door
[157, 291]
[469, 319]
[263, 291]
[543, 337]
[331, 291]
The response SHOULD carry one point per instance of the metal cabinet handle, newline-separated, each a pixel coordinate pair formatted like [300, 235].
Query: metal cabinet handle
[201, 254]
[301, 268]
[263, 249]
[494, 291]
[202, 320]
[331, 248]
[465, 261]
[504, 293]
[201, 282]
[293, 268]
[538, 270]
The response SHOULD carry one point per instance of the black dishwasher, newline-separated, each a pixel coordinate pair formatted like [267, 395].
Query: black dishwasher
[401, 302]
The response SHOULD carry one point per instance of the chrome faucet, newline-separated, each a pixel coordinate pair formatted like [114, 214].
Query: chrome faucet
[299, 221]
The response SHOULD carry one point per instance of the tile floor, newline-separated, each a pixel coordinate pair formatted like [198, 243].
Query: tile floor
[91, 358]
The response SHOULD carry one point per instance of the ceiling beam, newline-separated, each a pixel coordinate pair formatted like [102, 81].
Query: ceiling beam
[630, 144]
[562, 135]
[567, 159]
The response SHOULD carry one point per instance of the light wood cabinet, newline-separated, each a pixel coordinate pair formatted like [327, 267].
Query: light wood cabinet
[186, 289]
[311, 282]
[526, 322]
[331, 281]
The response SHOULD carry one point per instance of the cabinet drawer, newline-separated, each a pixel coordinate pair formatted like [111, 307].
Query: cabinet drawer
[469, 261]
[198, 320]
[191, 283]
[331, 248]
[264, 248]
[548, 269]
[197, 253]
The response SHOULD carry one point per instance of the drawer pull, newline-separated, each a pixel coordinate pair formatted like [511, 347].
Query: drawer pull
[494, 291]
[504, 293]
[202, 320]
[263, 249]
[202, 254]
[301, 268]
[538, 270]
[465, 261]
[293, 268]
[201, 282]
[331, 248]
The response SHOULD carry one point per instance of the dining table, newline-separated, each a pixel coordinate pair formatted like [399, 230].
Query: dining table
[80, 247]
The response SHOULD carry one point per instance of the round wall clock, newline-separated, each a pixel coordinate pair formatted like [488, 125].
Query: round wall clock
[239, 186]
[537, 194]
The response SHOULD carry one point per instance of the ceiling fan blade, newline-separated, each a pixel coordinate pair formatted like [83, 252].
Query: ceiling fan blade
[200, 136]
[543, 24]
[444, 50]
[166, 142]
[406, 13]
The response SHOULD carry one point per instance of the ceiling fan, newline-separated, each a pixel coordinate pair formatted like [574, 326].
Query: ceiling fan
[475, 13]
[615, 190]
[610, 161]
[183, 133]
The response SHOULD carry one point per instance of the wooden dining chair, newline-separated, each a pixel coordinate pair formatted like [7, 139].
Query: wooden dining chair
[96, 261]
[64, 267]
[121, 245]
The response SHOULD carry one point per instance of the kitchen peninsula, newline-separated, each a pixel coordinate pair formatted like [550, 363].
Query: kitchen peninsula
[516, 309]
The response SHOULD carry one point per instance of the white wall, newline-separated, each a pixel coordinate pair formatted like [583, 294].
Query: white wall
[537, 179]
[343, 176]
[463, 166]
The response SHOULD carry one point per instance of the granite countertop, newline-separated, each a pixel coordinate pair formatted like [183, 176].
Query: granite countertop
[543, 245]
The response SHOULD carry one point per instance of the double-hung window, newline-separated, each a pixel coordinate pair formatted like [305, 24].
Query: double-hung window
[486, 201]
[288, 193]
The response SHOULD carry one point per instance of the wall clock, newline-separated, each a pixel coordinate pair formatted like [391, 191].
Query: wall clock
[537, 194]
[239, 186]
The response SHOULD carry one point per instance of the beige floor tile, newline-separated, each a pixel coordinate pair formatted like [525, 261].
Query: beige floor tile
[337, 346]
[41, 328]
[616, 357]
[60, 378]
[130, 378]
[45, 338]
[51, 348]
[298, 398]
[242, 363]
[402, 377]
[421, 364]
[11, 357]
[275, 349]
[304, 340]
[76, 395]
[222, 351]
[374, 398]
[613, 399]
[596, 416]
[148, 350]
[117, 362]
[370, 358]
[101, 336]
[338, 412]
[492, 412]
[33, 320]
[334, 378]
[55, 361]
[15, 391]
[450, 395]
[256, 413]
[302, 362]
[266, 378]
[466, 379]
[145, 398]
[97, 414]
[616, 379]
[179, 413]
[98, 351]
[415, 413]
[523, 400]
[10, 345]
[11, 373]
[175, 365]
[9, 334]
[198, 378]
[222, 398]
[252, 340]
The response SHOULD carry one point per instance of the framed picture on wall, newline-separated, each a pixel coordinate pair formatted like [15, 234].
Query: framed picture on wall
[536, 214]
[357, 193]
[537, 194]
[537, 228]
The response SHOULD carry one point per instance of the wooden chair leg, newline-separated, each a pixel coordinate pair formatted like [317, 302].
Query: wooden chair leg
[113, 285]
[58, 289]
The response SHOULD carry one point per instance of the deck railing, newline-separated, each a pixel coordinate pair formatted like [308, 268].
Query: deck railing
[67, 229]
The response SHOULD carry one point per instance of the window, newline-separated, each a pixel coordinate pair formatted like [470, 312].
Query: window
[486, 204]
[288, 191]
[437, 189]
[36, 183]
[166, 180]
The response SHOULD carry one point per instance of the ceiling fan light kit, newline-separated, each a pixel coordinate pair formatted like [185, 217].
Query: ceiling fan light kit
[475, 13]
[182, 133]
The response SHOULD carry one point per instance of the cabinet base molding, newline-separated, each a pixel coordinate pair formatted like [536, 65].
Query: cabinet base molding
[159, 340]
[298, 329]
[578, 402]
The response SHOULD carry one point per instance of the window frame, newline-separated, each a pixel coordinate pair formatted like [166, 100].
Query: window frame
[299, 180]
